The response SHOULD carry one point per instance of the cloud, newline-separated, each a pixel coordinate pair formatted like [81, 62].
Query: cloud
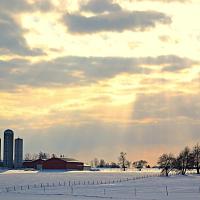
[79, 70]
[43, 6]
[164, 106]
[12, 40]
[165, 1]
[171, 63]
[17, 6]
[23, 6]
[116, 21]
[100, 6]
[66, 70]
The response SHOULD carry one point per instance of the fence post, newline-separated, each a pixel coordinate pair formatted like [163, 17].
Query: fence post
[167, 191]
[72, 190]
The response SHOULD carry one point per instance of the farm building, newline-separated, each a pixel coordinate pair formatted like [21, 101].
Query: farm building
[55, 163]
[35, 164]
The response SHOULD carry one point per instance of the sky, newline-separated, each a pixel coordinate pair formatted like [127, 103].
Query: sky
[92, 78]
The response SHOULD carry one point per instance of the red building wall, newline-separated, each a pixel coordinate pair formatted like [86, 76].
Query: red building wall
[54, 163]
[74, 165]
[33, 164]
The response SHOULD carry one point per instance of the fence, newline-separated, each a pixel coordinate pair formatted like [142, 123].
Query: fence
[113, 188]
[44, 186]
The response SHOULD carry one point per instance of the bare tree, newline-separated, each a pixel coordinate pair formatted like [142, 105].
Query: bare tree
[123, 161]
[183, 161]
[167, 163]
[196, 157]
[28, 156]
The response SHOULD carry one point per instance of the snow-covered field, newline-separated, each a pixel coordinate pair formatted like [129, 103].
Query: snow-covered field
[28, 185]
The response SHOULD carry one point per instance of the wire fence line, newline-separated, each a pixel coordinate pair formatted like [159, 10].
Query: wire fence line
[73, 183]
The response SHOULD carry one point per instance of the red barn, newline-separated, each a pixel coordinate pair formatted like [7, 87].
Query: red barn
[62, 163]
[55, 163]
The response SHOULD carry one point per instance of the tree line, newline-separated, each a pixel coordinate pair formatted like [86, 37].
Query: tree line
[187, 159]
[122, 163]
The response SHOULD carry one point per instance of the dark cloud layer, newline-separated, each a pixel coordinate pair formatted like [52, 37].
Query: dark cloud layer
[78, 70]
[100, 6]
[61, 71]
[117, 21]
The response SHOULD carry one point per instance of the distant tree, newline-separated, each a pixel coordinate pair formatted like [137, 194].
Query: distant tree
[123, 163]
[114, 165]
[53, 155]
[102, 163]
[96, 162]
[183, 161]
[34, 156]
[43, 155]
[167, 163]
[196, 157]
[92, 163]
[140, 164]
[28, 156]
[128, 164]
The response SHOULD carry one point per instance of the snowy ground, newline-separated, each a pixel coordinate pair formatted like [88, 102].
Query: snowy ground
[23, 185]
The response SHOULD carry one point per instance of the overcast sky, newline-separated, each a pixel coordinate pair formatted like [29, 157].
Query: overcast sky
[92, 78]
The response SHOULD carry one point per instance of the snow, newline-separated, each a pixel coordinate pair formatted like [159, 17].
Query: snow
[51, 185]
